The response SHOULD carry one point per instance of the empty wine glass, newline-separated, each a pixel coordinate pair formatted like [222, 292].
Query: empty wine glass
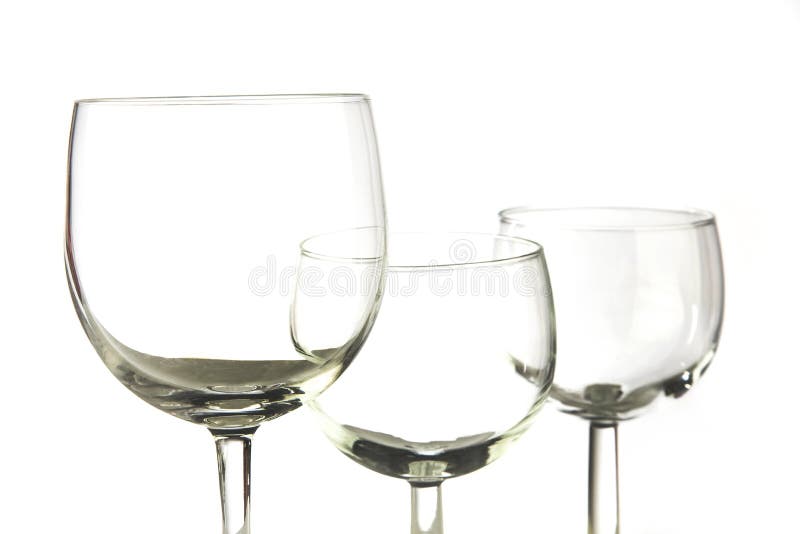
[184, 223]
[639, 298]
[458, 363]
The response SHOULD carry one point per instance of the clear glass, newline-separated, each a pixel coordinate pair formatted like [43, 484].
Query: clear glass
[185, 219]
[639, 297]
[461, 359]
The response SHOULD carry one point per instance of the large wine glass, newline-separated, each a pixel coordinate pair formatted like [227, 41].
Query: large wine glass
[185, 218]
[638, 298]
[460, 360]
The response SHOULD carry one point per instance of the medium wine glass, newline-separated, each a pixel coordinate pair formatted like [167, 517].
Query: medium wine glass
[184, 222]
[639, 298]
[458, 363]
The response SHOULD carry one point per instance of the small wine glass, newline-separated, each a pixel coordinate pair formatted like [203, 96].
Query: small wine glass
[184, 223]
[458, 363]
[639, 299]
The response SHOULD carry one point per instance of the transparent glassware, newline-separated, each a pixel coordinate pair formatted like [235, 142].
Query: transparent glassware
[185, 218]
[639, 298]
[460, 360]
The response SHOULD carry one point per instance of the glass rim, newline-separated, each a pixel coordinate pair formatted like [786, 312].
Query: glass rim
[694, 217]
[306, 249]
[244, 99]
[534, 250]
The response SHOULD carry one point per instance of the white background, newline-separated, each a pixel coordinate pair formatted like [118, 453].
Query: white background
[478, 106]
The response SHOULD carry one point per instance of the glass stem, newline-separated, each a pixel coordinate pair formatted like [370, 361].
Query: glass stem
[603, 478]
[233, 462]
[426, 507]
